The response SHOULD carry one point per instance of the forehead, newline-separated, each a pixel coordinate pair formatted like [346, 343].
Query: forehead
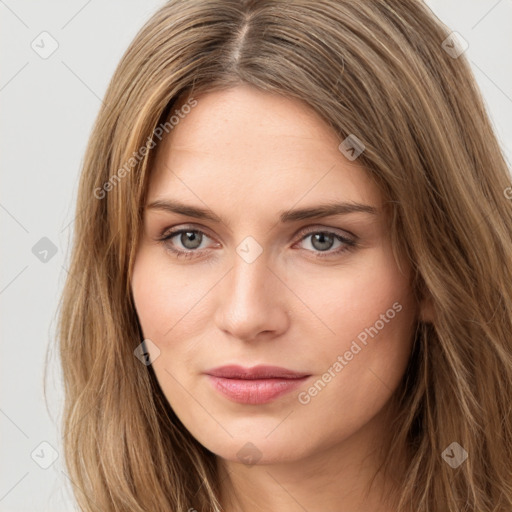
[257, 148]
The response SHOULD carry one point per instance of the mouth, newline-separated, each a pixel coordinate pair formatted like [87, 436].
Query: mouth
[257, 385]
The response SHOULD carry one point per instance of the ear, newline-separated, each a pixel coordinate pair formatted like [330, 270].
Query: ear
[427, 310]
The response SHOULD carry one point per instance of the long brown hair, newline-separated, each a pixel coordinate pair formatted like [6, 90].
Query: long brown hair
[378, 69]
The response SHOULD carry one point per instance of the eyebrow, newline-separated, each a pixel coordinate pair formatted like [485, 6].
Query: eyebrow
[285, 216]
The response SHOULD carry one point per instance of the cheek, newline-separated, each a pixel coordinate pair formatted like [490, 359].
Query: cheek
[352, 298]
[163, 295]
[367, 317]
[372, 314]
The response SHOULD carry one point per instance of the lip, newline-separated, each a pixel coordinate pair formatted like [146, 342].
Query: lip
[257, 385]
[261, 371]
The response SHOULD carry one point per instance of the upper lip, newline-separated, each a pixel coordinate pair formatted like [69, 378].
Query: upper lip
[256, 372]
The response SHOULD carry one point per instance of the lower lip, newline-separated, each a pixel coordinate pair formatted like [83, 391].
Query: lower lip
[257, 391]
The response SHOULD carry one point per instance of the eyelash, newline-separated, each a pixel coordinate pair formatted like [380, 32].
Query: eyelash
[349, 244]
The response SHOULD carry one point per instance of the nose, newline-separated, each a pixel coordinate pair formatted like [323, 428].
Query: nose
[252, 301]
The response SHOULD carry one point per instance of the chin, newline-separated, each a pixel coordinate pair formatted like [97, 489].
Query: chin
[256, 450]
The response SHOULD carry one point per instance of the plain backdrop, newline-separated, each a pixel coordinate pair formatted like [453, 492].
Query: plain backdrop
[48, 106]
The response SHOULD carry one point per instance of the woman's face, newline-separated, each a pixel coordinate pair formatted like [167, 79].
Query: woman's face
[257, 284]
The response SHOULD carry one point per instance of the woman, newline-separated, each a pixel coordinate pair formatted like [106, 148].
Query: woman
[290, 285]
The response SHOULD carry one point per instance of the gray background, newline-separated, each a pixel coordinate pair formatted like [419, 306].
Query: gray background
[48, 108]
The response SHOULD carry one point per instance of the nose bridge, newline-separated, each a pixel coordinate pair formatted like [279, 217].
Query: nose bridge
[247, 303]
[248, 280]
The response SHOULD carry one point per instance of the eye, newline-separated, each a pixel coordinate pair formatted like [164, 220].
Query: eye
[192, 240]
[323, 241]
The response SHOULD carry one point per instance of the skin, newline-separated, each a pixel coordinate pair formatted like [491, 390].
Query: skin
[248, 155]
